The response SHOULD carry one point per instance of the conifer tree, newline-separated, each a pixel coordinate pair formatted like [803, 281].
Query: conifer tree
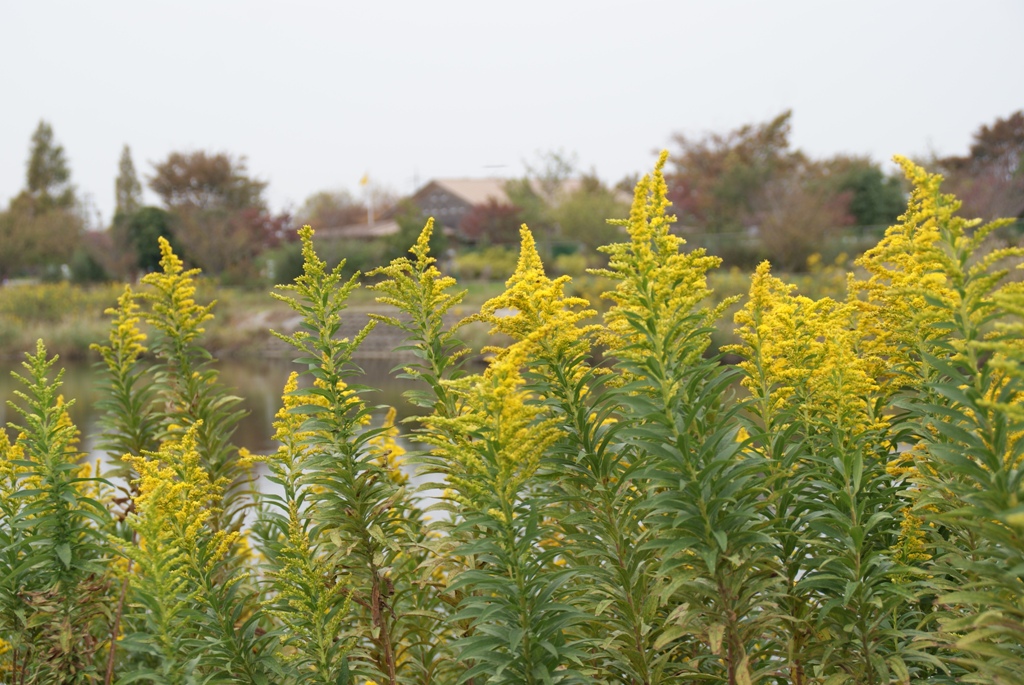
[48, 176]
[127, 188]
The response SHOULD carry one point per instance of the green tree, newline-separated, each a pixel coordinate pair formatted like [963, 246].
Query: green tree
[48, 176]
[42, 226]
[127, 188]
[533, 208]
[582, 215]
[718, 179]
[142, 232]
[410, 225]
[200, 180]
[218, 210]
[873, 198]
[331, 208]
[990, 179]
[541, 189]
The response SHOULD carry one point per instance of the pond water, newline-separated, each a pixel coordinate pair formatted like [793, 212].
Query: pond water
[258, 383]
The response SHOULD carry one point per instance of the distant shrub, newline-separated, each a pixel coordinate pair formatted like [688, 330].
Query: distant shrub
[491, 263]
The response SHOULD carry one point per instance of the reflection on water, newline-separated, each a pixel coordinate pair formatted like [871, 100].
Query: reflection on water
[259, 384]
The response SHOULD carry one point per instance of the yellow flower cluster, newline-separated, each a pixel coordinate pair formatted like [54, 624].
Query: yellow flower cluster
[67, 426]
[175, 311]
[387, 452]
[534, 309]
[126, 340]
[415, 283]
[657, 282]
[918, 278]
[288, 424]
[304, 579]
[910, 546]
[803, 352]
[1006, 347]
[497, 440]
[177, 499]
[10, 470]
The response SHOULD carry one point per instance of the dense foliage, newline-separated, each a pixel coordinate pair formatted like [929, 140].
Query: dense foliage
[609, 502]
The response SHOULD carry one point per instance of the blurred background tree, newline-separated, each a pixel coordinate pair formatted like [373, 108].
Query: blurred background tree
[331, 209]
[747, 195]
[127, 187]
[493, 223]
[410, 224]
[566, 209]
[135, 229]
[218, 211]
[43, 224]
[581, 216]
[717, 180]
[874, 199]
[990, 178]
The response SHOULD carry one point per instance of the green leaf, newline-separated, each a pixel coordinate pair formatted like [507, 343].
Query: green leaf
[64, 553]
[715, 635]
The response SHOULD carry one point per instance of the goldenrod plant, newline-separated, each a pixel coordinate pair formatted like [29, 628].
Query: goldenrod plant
[603, 500]
[363, 519]
[967, 479]
[187, 389]
[702, 488]
[56, 564]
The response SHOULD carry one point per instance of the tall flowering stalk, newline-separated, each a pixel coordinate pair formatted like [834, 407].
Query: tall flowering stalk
[703, 489]
[834, 503]
[130, 425]
[311, 604]
[966, 465]
[490, 455]
[596, 493]
[186, 583]
[186, 382]
[54, 563]
[422, 298]
[130, 422]
[352, 496]
[489, 443]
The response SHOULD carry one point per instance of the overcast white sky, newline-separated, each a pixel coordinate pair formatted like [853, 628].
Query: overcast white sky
[317, 93]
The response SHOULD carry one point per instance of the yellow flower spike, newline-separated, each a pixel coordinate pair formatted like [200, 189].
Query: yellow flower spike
[421, 249]
[910, 546]
[175, 492]
[387, 452]
[9, 470]
[175, 311]
[125, 337]
[808, 349]
[418, 289]
[498, 440]
[656, 281]
[534, 308]
[895, 316]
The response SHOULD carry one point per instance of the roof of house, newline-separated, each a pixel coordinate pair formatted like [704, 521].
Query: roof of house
[474, 191]
[480, 191]
[378, 229]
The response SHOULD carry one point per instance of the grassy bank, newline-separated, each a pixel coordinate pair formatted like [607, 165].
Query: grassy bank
[70, 317]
